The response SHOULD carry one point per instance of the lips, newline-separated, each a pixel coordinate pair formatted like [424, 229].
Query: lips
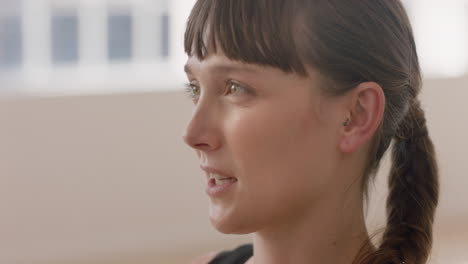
[211, 170]
[217, 189]
[219, 182]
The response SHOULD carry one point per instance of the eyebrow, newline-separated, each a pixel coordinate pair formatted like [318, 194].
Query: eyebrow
[225, 68]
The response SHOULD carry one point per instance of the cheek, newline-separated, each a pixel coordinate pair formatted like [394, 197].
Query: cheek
[280, 154]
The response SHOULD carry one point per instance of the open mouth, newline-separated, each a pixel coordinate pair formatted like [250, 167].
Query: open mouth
[218, 182]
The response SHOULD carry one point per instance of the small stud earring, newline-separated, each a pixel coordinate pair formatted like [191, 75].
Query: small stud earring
[345, 123]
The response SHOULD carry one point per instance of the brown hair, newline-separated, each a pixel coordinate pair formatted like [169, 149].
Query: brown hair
[348, 42]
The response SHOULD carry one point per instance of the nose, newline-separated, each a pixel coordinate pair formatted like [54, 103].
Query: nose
[202, 131]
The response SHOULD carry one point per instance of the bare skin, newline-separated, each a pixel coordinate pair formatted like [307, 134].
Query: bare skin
[297, 167]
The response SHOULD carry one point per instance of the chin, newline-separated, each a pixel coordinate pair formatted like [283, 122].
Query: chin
[231, 226]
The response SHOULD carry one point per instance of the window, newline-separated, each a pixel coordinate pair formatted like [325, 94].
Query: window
[88, 46]
[11, 41]
[119, 37]
[64, 38]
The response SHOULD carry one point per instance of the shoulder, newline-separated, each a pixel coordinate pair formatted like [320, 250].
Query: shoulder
[205, 259]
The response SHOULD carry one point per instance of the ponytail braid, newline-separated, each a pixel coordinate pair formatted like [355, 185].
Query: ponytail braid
[413, 195]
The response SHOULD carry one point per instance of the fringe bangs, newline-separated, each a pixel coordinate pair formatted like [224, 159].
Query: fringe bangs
[255, 32]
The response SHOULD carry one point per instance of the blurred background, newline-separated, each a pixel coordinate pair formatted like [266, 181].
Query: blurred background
[93, 168]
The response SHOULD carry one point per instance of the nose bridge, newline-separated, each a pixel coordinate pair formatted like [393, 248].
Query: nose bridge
[201, 128]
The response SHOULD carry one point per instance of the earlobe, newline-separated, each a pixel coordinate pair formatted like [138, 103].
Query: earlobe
[367, 108]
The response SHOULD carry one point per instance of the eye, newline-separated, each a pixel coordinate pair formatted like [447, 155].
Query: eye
[191, 90]
[234, 87]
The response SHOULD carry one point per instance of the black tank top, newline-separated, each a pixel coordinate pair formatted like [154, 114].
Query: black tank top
[238, 255]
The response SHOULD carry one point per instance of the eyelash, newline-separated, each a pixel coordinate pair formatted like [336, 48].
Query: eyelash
[189, 87]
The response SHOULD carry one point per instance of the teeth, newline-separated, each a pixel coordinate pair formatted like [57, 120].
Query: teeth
[219, 179]
[217, 176]
[220, 182]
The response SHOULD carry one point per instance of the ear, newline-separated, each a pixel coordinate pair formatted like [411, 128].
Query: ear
[367, 105]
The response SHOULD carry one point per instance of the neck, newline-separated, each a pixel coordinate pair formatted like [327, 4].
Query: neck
[332, 231]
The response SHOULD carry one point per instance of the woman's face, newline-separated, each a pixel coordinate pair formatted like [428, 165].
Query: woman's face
[274, 132]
